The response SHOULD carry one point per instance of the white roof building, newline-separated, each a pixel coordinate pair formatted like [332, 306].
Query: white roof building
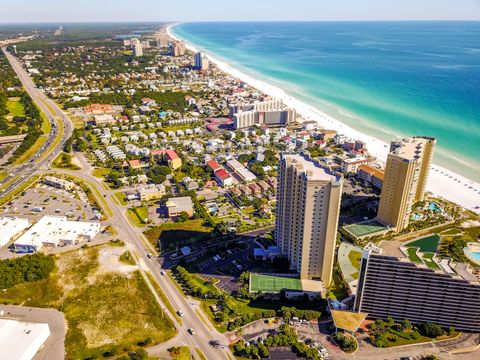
[11, 227]
[21, 340]
[54, 230]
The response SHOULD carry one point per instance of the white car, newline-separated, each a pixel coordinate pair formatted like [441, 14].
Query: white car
[179, 312]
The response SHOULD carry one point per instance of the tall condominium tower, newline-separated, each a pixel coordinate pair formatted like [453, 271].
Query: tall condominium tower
[201, 61]
[177, 48]
[406, 174]
[308, 204]
[137, 49]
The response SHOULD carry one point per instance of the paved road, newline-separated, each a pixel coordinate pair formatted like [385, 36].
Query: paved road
[20, 174]
[204, 332]
[54, 347]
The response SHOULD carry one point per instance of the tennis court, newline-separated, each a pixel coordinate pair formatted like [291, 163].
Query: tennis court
[268, 283]
[366, 228]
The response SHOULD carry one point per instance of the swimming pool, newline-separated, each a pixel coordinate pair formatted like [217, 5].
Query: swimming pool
[434, 207]
[475, 256]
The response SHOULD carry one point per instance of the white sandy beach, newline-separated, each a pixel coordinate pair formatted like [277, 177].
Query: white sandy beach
[442, 182]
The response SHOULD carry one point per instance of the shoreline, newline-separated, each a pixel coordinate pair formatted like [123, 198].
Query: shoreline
[442, 182]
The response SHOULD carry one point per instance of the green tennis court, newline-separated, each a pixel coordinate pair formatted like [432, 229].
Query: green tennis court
[267, 283]
[366, 228]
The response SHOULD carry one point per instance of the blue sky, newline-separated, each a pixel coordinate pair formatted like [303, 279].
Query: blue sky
[207, 10]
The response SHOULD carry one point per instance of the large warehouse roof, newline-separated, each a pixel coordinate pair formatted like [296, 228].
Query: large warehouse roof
[21, 340]
[11, 226]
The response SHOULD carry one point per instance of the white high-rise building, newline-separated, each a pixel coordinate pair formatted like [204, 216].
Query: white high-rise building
[137, 49]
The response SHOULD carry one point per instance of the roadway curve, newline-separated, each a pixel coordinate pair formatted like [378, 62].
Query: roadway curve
[204, 332]
[49, 150]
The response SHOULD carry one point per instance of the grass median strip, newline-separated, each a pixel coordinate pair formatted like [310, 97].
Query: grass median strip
[19, 189]
[163, 297]
[200, 354]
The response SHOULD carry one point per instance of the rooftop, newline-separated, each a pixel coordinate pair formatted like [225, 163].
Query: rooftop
[410, 148]
[312, 169]
[21, 340]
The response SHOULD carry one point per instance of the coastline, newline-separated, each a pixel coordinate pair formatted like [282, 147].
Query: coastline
[442, 182]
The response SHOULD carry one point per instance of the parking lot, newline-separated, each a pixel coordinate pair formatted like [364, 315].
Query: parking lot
[44, 200]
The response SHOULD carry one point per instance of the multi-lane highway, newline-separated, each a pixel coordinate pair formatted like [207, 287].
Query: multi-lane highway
[193, 317]
[51, 148]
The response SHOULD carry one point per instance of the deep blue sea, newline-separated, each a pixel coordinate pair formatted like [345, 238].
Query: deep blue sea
[388, 79]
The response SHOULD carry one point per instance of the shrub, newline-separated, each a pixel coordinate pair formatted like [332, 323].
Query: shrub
[430, 330]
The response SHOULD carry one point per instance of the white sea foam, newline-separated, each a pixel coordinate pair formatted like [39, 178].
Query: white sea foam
[442, 182]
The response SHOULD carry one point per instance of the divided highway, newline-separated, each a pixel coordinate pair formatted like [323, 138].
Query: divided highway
[39, 163]
[17, 175]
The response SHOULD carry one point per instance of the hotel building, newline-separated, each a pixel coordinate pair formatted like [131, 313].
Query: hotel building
[392, 283]
[406, 174]
[177, 48]
[308, 205]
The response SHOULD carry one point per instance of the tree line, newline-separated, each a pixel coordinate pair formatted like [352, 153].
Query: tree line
[24, 269]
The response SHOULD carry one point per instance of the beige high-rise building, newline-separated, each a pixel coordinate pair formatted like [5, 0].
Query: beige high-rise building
[406, 174]
[177, 48]
[308, 205]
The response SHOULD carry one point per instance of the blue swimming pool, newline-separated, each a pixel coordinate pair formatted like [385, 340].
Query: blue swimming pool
[434, 207]
[475, 256]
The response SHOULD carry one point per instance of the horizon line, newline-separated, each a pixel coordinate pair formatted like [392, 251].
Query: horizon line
[228, 21]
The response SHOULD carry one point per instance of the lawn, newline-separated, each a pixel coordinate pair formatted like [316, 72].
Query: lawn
[101, 172]
[412, 255]
[426, 244]
[180, 353]
[105, 311]
[64, 161]
[266, 283]
[121, 198]
[139, 215]
[46, 128]
[173, 235]
[355, 258]
[15, 107]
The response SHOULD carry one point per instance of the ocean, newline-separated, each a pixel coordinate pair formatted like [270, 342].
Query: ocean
[386, 79]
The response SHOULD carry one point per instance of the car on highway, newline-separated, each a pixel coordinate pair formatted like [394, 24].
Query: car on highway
[179, 312]
[150, 256]
[191, 331]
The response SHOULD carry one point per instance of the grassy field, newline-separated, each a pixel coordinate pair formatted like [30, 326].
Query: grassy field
[163, 297]
[172, 235]
[180, 353]
[106, 312]
[426, 244]
[355, 258]
[139, 215]
[15, 107]
[120, 196]
[101, 172]
[46, 128]
[127, 258]
[64, 161]
[266, 283]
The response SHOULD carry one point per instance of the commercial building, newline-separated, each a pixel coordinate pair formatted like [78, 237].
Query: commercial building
[406, 174]
[394, 283]
[371, 175]
[175, 206]
[52, 231]
[177, 48]
[11, 227]
[270, 117]
[59, 183]
[271, 112]
[21, 340]
[308, 205]
[151, 192]
[201, 61]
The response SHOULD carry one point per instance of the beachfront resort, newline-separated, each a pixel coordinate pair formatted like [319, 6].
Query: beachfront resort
[249, 203]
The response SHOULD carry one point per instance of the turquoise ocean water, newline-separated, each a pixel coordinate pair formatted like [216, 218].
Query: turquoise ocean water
[387, 79]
